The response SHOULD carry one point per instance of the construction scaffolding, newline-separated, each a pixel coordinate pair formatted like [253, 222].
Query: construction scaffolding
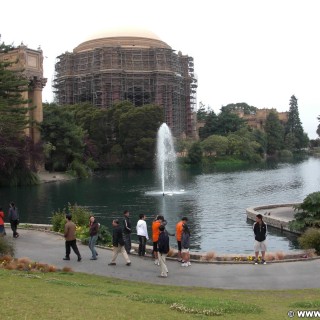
[143, 74]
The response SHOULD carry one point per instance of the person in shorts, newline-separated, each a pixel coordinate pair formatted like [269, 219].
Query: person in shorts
[179, 229]
[260, 235]
[185, 246]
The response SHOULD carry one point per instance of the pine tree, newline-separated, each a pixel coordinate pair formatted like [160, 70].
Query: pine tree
[318, 129]
[15, 147]
[274, 131]
[294, 135]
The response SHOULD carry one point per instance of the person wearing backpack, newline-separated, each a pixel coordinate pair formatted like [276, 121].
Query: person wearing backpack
[163, 249]
[93, 232]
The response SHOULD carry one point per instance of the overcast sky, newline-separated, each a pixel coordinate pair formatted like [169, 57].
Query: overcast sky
[258, 52]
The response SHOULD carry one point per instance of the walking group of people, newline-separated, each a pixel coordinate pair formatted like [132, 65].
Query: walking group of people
[13, 217]
[121, 240]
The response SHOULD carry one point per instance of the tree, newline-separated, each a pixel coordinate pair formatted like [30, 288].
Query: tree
[318, 130]
[66, 139]
[195, 153]
[242, 106]
[15, 147]
[274, 131]
[137, 134]
[228, 122]
[215, 144]
[308, 213]
[202, 112]
[210, 126]
[295, 136]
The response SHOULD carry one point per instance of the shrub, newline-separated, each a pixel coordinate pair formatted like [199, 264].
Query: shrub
[308, 213]
[311, 239]
[80, 216]
[6, 247]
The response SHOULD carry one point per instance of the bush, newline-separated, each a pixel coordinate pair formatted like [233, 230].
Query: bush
[308, 214]
[285, 154]
[80, 216]
[311, 239]
[6, 247]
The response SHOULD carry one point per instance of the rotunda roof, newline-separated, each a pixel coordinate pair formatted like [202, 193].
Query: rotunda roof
[123, 37]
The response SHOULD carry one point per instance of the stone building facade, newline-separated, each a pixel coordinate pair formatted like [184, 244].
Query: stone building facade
[31, 63]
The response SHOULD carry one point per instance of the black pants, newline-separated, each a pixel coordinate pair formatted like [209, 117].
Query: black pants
[142, 245]
[127, 242]
[14, 227]
[72, 244]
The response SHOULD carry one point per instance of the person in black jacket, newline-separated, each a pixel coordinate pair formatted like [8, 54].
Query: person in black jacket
[260, 234]
[118, 244]
[163, 249]
[93, 232]
[127, 231]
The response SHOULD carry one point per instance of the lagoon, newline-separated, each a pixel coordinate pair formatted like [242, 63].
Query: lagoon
[215, 202]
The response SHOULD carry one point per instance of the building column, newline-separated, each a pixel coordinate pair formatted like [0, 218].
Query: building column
[35, 94]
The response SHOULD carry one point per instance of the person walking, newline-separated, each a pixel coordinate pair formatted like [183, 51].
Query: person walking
[185, 246]
[14, 219]
[2, 228]
[70, 237]
[93, 232]
[155, 236]
[179, 229]
[163, 248]
[260, 235]
[127, 231]
[118, 244]
[142, 233]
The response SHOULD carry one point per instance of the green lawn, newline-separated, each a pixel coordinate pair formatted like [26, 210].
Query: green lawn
[59, 295]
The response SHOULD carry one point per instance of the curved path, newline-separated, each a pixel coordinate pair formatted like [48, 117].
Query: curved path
[49, 248]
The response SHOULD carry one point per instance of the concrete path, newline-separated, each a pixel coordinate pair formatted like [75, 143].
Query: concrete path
[49, 248]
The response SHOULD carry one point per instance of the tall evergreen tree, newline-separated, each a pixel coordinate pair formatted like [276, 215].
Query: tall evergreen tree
[318, 130]
[15, 147]
[274, 132]
[294, 135]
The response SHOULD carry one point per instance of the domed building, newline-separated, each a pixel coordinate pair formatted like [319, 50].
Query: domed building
[134, 65]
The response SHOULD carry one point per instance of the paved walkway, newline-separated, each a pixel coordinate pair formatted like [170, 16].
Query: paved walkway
[49, 248]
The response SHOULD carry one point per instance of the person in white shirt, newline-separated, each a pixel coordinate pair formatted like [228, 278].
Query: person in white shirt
[142, 233]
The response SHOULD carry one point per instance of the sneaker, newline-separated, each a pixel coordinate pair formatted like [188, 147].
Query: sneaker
[66, 258]
[163, 275]
[132, 250]
[128, 264]
[111, 264]
[79, 259]
[156, 262]
[256, 261]
[189, 263]
[93, 259]
[263, 262]
[185, 264]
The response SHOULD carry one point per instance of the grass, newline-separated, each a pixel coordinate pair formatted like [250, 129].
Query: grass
[67, 295]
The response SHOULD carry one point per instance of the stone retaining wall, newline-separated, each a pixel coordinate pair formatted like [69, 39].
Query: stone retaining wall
[274, 221]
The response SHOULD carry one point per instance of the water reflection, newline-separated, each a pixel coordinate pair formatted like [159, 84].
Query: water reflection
[214, 202]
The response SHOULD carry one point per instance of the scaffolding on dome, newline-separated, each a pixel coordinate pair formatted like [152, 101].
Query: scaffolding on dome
[109, 74]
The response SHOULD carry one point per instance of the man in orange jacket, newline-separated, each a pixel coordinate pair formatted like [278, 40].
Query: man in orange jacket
[179, 228]
[155, 237]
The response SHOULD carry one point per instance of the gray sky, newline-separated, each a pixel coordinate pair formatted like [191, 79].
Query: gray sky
[258, 52]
